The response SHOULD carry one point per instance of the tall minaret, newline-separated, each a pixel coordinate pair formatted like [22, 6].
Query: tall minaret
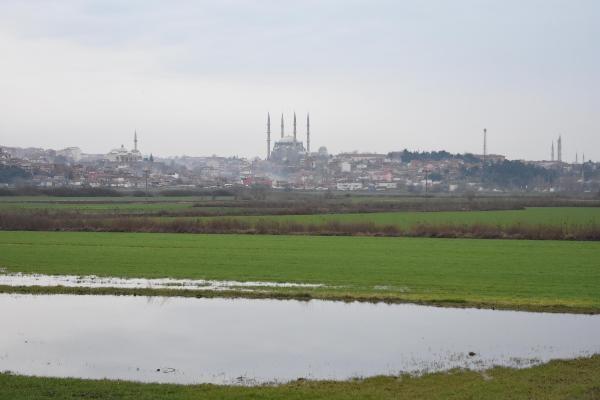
[552, 152]
[484, 144]
[294, 126]
[559, 145]
[135, 140]
[268, 136]
[282, 125]
[308, 133]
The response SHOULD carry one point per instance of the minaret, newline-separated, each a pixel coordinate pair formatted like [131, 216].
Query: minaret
[552, 152]
[282, 125]
[559, 146]
[308, 133]
[135, 140]
[294, 126]
[268, 136]
[576, 158]
[484, 144]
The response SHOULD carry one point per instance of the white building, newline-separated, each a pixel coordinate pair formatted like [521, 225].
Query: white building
[349, 186]
[122, 155]
[345, 166]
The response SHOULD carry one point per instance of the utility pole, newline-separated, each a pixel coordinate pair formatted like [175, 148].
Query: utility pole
[308, 133]
[146, 174]
[583, 172]
[268, 136]
[484, 153]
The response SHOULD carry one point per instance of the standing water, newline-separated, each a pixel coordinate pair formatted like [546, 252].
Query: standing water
[184, 340]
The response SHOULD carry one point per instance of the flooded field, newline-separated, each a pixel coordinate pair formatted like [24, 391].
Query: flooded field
[92, 281]
[183, 340]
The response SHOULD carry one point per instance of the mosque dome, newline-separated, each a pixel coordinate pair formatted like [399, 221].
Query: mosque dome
[286, 139]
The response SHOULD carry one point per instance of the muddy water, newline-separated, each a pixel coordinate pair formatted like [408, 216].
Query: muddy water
[185, 340]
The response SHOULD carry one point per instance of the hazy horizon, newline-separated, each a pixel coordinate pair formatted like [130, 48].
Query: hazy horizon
[198, 77]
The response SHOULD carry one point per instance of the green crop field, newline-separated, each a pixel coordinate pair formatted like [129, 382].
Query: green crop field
[95, 204]
[532, 216]
[553, 275]
[107, 199]
[97, 199]
[572, 379]
[109, 207]
[125, 204]
[319, 210]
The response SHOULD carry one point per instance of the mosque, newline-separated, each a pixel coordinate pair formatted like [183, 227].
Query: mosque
[122, 155]
[288, 149]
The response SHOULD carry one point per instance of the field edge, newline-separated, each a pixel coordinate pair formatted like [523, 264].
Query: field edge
[300, 295]
[557, 379]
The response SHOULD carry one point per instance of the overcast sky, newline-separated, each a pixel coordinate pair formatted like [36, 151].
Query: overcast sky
[198, 77]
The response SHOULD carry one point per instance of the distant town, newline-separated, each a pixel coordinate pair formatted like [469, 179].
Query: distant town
[291, 164]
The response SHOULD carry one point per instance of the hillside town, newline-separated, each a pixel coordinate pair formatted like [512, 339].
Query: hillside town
[291, 165]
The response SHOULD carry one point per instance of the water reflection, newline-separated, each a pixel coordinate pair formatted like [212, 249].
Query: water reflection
[186, 340]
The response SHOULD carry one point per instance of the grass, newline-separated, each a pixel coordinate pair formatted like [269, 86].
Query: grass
[124, 204]
[382, 210]
[43, 199]
[96, 206]
[573, 379]
[535, 275]
[528, 216]
[129, 207]
[534, 224]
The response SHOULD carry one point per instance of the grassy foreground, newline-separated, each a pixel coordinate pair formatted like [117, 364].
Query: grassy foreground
[533, 275]
[574, 379]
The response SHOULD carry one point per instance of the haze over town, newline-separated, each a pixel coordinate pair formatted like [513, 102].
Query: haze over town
[198, 78]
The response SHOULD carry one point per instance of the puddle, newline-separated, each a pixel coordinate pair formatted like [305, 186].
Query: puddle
[241, 341]
[92, 281]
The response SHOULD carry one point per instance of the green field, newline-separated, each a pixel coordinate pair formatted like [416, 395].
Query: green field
[129, 207]
[95, 205]
[553, 275]
[319, 209]
[530, 216]
[125, 204]
[106, 199]
[574, 379]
